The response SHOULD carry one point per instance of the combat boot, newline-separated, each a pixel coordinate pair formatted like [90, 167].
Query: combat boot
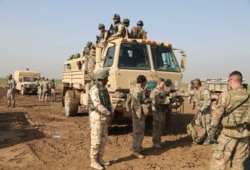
[94, 164]
[102, 162]
[156, 145]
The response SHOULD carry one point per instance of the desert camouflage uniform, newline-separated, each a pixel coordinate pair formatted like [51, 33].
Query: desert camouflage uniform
[119, 31]
[202, 99]
[53, 90]
[160, 107]
[102, 39]
[100, 109]
[11, 86]
[91, 64]
[138, 116]
[39, 90]
[190, 92]
[233, 142]
[45, 88]
[138, 32]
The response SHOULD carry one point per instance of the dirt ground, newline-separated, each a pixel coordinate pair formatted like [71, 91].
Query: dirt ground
[28, 140]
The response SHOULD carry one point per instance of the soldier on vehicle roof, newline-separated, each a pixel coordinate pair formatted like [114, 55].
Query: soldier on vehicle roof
[126, 23]
[87, 48]
[138, 32]
[103, 37]
[119, 28]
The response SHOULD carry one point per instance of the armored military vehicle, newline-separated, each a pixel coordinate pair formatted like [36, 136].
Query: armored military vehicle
[125, 59]
[26, 81]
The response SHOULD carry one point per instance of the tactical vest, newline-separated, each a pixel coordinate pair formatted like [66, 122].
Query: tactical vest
[103, 95]
[236, 124]
[199, 96]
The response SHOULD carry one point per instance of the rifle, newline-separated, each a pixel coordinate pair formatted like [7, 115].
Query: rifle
[97, 39]
[109, 32]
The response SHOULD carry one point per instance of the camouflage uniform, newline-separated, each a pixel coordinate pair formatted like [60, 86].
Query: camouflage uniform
[118, 29]
[233, 142]
[86, 50]
[138, 33]
[190, 92]
[160, 107]
[102, 38]
[138, 116]
[126, 23]
[100, 110]
[11, 86]
[202, 99]
[45, 88]
[39, 89]
[91, 64]
[53, 89]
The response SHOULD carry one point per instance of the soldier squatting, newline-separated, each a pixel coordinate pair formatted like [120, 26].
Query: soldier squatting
[238, 140]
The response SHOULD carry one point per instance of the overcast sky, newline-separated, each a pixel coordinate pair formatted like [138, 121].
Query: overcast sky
[41, 35]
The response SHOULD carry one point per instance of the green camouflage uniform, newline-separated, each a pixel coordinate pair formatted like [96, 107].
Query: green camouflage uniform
[138, 116]
[11, 86]
[233, 142]
[160, 107]
[202, 99]
[100, 108]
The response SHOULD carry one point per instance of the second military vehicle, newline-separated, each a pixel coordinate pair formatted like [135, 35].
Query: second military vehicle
[125, 59]
[26, 81]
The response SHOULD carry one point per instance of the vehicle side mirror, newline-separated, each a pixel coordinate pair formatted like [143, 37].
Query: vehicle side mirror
[183, 59]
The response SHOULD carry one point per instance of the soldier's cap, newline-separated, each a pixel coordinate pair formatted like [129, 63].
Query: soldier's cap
[102, 74]
[141, 79]
[101, 26]
[116, 16]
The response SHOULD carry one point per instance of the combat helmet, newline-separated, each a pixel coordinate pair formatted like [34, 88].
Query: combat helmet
[10, 76]
[101, 26]
[125, 21]
[89, 43]
[102, 74]
[140, 23]
[117, 16]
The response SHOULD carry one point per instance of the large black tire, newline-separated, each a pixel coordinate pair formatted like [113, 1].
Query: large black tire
[71, 102]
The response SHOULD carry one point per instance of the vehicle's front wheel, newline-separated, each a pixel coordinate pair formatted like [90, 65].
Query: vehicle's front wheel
[71, 102]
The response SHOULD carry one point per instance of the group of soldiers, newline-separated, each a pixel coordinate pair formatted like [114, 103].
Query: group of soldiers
[101, 111]
[45, 88]
[226, 125]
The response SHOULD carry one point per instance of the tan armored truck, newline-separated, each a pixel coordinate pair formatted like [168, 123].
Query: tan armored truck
[125, 59]
[26, 81]
[218, 86]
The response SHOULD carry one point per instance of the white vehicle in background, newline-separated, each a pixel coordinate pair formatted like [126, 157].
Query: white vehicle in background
[26, 81]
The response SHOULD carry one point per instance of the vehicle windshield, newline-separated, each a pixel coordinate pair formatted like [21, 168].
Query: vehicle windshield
[29, 79]
[133, 56]
[164, 59]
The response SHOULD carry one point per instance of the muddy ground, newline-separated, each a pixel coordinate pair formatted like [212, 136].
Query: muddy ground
[27, 140]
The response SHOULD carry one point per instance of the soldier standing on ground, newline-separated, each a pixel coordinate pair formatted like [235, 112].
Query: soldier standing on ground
[138, 32]
[160, 107]
[190, 91]
[138, 115]
[126, 23]
[202, 102]
[44, 87]
[232, 112]
[11, 86]
[53, 89]
[100, 112]
[119, 29]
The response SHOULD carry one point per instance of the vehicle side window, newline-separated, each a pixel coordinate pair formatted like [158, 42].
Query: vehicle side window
[109, 57]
